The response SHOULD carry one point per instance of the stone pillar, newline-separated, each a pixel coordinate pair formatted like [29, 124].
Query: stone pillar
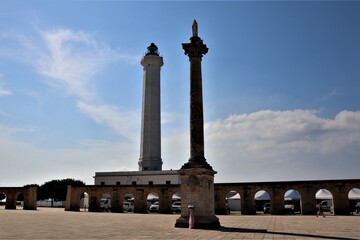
[165, 201]
[72, 199]
[68, 199]
[116, 203]
[94, 202]
[197, 176]
[10, 201]
[30, 198]
[247, 201]
[277, 200]
[308, 200]
[340, 200]
[150, 143]
[220, 202]
[140, 201]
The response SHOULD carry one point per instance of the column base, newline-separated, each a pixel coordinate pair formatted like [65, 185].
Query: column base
[197, 190]
[208, 222]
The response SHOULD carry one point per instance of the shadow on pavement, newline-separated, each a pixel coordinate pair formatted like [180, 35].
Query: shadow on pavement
[245, 230]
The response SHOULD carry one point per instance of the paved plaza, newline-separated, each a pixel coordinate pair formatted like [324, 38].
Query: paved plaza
[55, 223]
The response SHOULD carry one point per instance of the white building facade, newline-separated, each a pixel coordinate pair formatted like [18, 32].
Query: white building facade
[137, 177]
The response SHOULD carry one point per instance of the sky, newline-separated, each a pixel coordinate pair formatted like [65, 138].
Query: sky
[281, 87]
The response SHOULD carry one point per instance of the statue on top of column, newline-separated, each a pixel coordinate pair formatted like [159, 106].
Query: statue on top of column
[195, 28]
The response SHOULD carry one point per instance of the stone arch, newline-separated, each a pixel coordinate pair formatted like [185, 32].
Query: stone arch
[292, 201]
[176, 197]
[233, 202]
[176, 202]
[84, 201]
[20, 198]
[262, 201]
[129, 197]
[128, 202]
[154, 201]
[2, 199]
[324, 197]
[354, 201]
[105, 201]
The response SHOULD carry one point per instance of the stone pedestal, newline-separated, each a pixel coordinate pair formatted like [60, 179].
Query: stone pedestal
[197, 189]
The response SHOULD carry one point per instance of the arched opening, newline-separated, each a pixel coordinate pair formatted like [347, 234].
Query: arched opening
[20, 200]
[292, 201]
[84, 201]
[176, 203]
[129, 203]
[153, 202]
[233, 202]
[325, 199]
[354, 201]
[262, 202]
[2, 200]
[105, 202]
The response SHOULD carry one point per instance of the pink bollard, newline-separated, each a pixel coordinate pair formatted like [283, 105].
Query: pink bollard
[191, 216]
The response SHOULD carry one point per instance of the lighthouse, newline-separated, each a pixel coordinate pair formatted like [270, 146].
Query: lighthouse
[150, 142]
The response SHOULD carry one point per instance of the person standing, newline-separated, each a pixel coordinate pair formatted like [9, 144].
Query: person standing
[319, 210]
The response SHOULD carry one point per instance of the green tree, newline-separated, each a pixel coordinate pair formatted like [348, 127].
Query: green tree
[57, 189]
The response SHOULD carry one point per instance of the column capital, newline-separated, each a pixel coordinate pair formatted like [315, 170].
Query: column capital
[195, 49]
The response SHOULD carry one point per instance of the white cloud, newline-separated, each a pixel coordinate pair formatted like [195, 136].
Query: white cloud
[269, 144]
[66, 58]
[261, 146]
[73, 58]
[254, 131]
[3, 90]
[123, 121]
[329, 95]
[18, 46]
[23, 163]
[69, 60]
[175, 148]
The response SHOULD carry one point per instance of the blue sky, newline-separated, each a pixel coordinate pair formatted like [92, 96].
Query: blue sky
[281, 86]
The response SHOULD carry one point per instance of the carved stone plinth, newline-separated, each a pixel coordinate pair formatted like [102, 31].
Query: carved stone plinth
[197, 189]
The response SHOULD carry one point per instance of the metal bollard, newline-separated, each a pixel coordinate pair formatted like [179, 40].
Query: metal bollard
[191, 216]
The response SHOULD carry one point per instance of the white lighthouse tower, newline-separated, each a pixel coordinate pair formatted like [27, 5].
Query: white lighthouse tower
[150, 162]
[150, 143]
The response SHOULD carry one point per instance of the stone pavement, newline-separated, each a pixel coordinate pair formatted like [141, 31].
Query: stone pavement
[55, 223]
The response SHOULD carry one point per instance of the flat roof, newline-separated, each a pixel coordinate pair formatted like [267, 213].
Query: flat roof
[136, 173]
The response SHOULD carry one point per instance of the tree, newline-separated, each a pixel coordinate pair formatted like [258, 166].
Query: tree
[57, 189]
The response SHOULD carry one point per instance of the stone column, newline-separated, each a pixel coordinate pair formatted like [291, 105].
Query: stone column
[277, 200]
[30, 198]
[247, 201]
[116, 204]
[341, 200]
[10, 201]
[220, 201]
[197, 176]
[308, 200]
[72, 199]
[140, 201]
[165, 201]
